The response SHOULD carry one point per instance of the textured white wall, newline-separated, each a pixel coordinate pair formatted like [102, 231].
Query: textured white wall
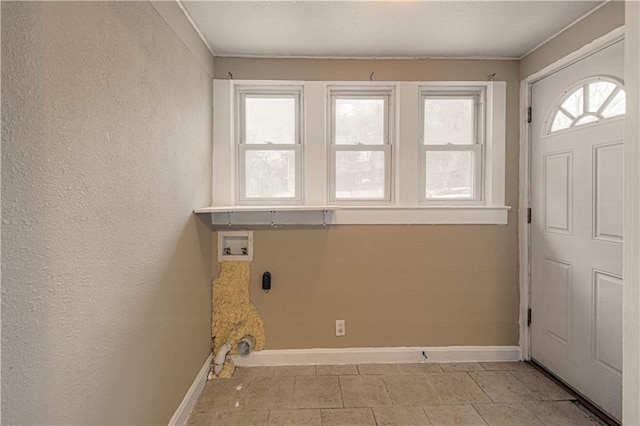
[106, 149]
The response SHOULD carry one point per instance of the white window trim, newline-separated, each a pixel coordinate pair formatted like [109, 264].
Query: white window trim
[280, 90]
[371, 91]
[478, 93]
[405, 207]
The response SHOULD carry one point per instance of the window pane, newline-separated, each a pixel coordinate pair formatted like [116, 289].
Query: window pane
[574, 104]
[270, 120]
[360, 175]
[448, 121]
[560, 122]
[617, 106]
[449, 174]
[598, 93]
[359, 121]
[270, 174]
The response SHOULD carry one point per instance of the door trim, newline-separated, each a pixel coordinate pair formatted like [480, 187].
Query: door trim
[524, 242]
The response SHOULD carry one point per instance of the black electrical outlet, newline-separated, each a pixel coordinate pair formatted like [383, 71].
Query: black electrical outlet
[266, 281]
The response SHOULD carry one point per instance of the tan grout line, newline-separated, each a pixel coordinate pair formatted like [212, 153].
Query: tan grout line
[426, 377]
[373, 415]
[387, 390]
[481, 388]
[375, 419]
[535, 397]
[424, 410]
[341, 394]
[483, 419]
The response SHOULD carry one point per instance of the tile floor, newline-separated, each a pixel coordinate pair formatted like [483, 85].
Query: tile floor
[500, 393]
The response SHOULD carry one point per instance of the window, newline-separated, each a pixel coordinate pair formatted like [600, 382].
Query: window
[360, 147]
[452, 131]
[588, 101]
[410, 152]
[269, 153]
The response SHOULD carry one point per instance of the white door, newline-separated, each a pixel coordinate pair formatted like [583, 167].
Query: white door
[576, 230]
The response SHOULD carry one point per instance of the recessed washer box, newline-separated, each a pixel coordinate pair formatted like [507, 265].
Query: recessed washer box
[235, 245]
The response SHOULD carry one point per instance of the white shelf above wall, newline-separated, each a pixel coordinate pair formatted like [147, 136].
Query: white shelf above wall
[234, 209]
[275, 216]
[269, 215]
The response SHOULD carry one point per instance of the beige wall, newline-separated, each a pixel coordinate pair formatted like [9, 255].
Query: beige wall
[394, 285]
[602, 21]
[106, 150]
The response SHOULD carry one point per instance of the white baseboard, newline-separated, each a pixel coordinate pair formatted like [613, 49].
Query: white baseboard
[379, 355]
[181, 415]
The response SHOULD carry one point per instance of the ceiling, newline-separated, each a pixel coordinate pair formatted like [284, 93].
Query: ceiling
[469, 29]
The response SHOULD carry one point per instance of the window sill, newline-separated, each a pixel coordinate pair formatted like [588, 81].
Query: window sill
[275, 216]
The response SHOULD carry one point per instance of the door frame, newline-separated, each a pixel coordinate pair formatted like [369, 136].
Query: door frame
[524, 203]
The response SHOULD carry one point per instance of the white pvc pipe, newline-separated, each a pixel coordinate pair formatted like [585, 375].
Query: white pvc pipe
[221, 356]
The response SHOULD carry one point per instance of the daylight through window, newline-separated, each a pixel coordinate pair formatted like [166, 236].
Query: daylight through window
[369, 152]
[593, 100]
[360, 148]
[451, 148]
[269, 145]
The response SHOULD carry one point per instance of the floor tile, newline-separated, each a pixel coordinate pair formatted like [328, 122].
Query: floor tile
[560, 413]
[223, 387]
[501, 386]
[456, 388]
[461, 366]
[423, 367]
[389, 394]
[295, 370]
[454, 415]
[269, 393]
[364, 391]
[509, 366]
[244, 372]
[503, 414]
[242, 418]
[378, 369]
[397, 416]
[541, 386]
[410, 389]
[348, 416]
[201, 419]
[294, 417]
[203, 405]
[316, 392]
[222, 395]
[336, 370]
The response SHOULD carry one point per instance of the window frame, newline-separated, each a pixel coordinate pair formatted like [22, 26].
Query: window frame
[242, 92]
[387, 94]
[569, 91]
[477, 148]
[405, 207]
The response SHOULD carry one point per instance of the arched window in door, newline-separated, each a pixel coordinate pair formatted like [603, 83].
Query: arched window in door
[588, 101]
